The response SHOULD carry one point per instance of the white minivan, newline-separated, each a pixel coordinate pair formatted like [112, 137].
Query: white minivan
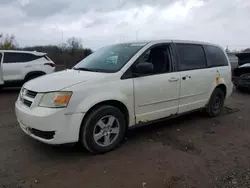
[121, 86]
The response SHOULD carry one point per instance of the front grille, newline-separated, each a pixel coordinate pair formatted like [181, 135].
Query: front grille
[27, 97]
[48, 135]
[31, 94]
[27, 102]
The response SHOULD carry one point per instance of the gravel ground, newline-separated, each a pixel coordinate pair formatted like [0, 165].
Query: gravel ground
[190, 151]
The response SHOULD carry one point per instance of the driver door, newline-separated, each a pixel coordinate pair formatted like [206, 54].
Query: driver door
[157, 95]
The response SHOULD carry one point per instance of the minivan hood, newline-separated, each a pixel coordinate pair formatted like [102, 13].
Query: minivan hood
[60, 80]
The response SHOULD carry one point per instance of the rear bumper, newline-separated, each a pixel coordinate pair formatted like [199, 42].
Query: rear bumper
[241, 82]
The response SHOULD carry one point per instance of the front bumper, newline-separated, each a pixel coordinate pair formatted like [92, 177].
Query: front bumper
[51, 126]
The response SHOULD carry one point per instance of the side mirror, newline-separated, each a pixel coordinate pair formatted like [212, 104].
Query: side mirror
[143, 68]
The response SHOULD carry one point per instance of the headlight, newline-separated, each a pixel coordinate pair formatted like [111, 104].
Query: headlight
[55, 99]
[22, 93]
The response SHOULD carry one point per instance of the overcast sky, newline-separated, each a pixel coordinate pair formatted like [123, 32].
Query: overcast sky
[101, 22]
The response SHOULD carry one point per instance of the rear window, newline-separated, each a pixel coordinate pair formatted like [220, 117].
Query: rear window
[191, 56]
[11, 57]
[215, 56]
[243, 58]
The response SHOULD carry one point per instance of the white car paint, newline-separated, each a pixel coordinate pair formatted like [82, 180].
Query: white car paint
[146, 98]
[156, 105]
[64, 79]
[18, 70]
[195, 89]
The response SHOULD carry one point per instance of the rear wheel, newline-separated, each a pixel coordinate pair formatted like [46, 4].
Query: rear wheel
[103, 130]
[216, 103]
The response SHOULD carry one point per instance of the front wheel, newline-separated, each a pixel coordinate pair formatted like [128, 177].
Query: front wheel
[216, 103]
[103, 129]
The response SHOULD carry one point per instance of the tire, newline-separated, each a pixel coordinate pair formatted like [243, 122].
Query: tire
[216, 103]
[96, 123]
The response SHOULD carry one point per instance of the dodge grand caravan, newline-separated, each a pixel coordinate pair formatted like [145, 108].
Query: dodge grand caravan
[124, 85]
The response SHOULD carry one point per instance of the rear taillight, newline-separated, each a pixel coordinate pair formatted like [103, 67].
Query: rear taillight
[50, 64]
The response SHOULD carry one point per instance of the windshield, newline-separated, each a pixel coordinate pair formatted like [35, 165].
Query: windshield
[110, 58]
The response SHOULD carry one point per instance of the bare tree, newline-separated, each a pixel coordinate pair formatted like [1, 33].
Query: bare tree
[8, 42]
[74, 43]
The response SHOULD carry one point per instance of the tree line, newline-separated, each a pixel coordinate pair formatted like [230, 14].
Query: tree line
[65, 56]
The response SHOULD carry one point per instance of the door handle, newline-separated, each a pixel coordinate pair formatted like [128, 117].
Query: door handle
[28, 66]
[173, 79]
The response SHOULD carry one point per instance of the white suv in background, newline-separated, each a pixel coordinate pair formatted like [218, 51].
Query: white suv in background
[17, 67]
[1, 77]
[121, 86]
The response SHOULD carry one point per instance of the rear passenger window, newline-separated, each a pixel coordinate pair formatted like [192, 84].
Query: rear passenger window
[191, 56]
[10, 57]
[215, 56]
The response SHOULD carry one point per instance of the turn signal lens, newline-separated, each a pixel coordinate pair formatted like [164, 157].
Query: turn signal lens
[58, 99]
[62, 98]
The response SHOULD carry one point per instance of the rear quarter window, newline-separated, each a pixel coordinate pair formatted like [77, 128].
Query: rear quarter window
[215, 56]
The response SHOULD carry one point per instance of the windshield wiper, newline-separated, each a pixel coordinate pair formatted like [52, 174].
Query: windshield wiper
[86, 69]
[83, 69]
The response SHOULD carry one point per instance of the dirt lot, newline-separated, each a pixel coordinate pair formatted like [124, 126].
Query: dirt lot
[191, 151]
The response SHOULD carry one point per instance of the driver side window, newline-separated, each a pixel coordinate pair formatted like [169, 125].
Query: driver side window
[159, 57]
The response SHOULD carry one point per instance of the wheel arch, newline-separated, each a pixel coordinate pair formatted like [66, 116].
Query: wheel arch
[118, 104]
[115, 103]
[34, 73]
[223, 88]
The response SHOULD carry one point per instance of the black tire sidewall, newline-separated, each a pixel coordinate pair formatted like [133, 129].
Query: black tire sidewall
[220, 93]
[86, 137]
